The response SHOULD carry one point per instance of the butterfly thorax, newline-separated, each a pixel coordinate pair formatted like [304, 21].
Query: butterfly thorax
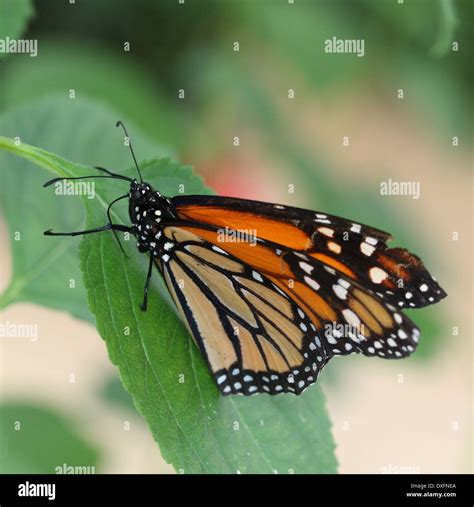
[148, 208]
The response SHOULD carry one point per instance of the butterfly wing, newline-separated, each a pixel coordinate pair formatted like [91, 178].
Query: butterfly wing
[270, 311]
[348, 316]
[357, 251]
[254, 336]
[353, 318]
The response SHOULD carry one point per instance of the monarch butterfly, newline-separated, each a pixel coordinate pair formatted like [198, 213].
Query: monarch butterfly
[269, 312]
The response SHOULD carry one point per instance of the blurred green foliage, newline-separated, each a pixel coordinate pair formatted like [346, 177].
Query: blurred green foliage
[112, 391]
[83, 44]
[96, 73]
[14, 15]
[36, 440]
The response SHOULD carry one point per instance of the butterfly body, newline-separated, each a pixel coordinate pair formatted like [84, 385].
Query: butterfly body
[147, 210]
[270, 293]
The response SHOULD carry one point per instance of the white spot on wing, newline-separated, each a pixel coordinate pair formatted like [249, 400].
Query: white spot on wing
[351, 317]
[327, 231]
[377, 275]
[366, 249]
[312, 283]
[340, 292]
[219, 250]
[334, 247]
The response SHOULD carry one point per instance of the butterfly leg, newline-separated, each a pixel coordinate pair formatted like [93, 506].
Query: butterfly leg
[143, 306]
[106, 227]
[110, 221]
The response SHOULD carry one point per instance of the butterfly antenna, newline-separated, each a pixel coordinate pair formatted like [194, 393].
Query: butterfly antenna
[120, 124]
[54, 180]
[110, 173]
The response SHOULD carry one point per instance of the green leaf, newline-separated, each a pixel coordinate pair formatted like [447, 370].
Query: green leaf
[29, 438]
[197, 429]
[14, 15]
[48, 273]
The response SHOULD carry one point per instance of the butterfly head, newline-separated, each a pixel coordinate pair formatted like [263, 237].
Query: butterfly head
[141, 193]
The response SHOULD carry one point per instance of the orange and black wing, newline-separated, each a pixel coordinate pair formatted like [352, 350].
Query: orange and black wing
[356, 251]
[255, 337]
[269, 311]
[348, 317]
